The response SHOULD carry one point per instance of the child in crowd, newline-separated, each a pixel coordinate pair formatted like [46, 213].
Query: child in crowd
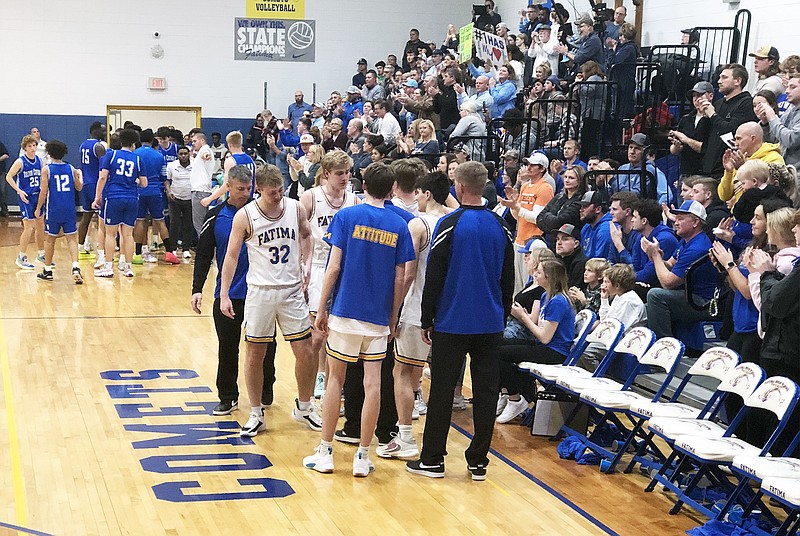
[589, 296]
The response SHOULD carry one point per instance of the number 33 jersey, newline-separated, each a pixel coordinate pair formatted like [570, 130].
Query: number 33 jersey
[273, 247]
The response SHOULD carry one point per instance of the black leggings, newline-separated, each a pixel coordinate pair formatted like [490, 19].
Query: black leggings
[514, 351]
[180, 222]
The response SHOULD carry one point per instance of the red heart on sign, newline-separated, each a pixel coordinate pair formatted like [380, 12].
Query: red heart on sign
[497, 53]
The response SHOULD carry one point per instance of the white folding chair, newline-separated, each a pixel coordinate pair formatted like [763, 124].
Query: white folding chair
[787, 492]
[665, 354]
[778, 395]
[714, 363]
[607, 334]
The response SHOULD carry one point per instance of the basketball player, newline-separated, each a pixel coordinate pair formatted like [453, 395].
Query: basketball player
[151, 203]
[92, 150]
[212, 246]
[59, 183]
[275, 230]
[113, 145]
[411, 352]
[236, 157]
[120, 200]
[362, 292]
[321, 204]
[25, 178]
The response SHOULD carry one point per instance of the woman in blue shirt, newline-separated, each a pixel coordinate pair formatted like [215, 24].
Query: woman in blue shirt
[553, 325]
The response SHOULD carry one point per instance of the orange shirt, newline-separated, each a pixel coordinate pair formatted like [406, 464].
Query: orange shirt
[531, 194]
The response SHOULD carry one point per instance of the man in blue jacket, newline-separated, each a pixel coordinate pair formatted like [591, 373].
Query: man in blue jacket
[467, 296]
[595, 235]
[646, 222]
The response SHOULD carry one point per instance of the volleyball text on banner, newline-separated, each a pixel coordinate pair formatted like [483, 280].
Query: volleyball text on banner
[490, 47]
[276, 9]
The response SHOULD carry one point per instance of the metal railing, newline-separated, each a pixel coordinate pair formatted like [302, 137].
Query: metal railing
[720, 45]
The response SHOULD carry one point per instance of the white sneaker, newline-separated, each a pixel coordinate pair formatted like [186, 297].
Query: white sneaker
[321, 461]
[459, 403]
[362, 466]
[100, 263]
[149, 257]
[319, 385]
[187, 254]
[501, 403]
[415, 414]
[397, 448]
[513, 409]
[420, 407]
[310, 417]
[254, 425]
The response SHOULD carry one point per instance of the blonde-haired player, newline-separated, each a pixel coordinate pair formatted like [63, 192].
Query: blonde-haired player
[321, 204]
[236, 157]
[278, 238]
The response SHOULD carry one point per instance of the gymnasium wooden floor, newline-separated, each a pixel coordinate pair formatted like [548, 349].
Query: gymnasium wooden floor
[79, 455]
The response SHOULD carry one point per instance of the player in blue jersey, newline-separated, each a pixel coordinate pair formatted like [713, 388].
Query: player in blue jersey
[59, 183]
[151, 203]
[362, 291]
[118, 193]
[25, 178]
[237, 157]
[100, 240]
[92, 150]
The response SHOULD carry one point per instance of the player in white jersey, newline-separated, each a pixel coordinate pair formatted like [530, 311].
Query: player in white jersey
[321, 204]
[278, 238]
[411, 352]
[407, 172]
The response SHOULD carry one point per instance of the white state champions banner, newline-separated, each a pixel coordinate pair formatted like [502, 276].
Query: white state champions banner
[274, 40]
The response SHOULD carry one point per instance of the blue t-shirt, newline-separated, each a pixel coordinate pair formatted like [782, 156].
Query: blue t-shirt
[558, 310]
[123, 168]
[745, 314]
[29, 179]
[152, 162]
[373, 242]
[170, 154]
[243, 159]
[60, 192]
[90, 164]
[704, 278]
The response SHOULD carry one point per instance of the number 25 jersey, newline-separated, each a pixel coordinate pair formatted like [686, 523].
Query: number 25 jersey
[273, 248]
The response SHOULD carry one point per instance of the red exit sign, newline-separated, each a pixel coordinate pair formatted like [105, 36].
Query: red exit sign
[157, 82]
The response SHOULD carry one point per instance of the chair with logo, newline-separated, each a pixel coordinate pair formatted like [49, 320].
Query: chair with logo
[713, 456]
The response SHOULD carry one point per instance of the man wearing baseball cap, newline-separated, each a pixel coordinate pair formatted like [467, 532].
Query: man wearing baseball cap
[595, 234]
[668, 306]
[568, 249]
[638, 149]
[361, 76]
[687, 140]
[766, 62]
[526, 205]
[352, 104]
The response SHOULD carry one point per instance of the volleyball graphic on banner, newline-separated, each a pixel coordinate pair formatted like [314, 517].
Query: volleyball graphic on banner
[300, 35]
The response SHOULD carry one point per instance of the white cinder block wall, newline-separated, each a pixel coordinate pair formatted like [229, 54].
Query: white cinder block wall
[73, 57]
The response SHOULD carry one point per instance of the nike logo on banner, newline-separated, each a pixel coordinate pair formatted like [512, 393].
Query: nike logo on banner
[295, 56]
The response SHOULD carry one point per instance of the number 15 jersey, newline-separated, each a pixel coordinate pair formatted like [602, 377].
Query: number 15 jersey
[273, 247]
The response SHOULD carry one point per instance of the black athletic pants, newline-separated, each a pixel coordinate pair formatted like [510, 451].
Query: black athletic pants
[180, 222]
[512, 352]
[753, 427]
[447, 357]
[229, 335]
[354, 399]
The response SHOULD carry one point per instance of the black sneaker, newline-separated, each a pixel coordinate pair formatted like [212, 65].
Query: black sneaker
[226, 407]
[478, 472]
[45, 275]
[431, 471]
[342, 437]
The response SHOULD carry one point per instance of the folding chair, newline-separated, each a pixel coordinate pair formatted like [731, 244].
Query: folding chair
[584, 321]
[607, 334]
[759, 468]
[664, 354]
[714, 455]
[787, 492]
[715, 363]
[636, 343]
